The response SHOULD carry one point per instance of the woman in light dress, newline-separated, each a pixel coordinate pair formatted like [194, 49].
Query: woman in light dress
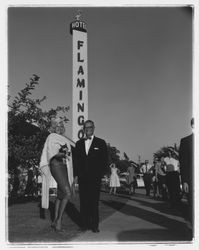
[114, 179]
[56, 162]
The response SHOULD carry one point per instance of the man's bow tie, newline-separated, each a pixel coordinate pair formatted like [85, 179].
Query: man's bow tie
[87, 138]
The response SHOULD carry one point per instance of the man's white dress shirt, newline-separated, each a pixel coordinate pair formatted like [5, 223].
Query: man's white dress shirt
[88, 143]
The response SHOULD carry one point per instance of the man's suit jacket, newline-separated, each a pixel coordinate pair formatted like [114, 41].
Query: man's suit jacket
[186, 156]
[93, 165]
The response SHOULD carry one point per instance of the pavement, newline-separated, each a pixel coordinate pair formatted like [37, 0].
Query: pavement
[142, 219]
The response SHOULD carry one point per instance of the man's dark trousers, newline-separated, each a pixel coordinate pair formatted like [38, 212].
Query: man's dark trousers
[89, 198]
[147, 183]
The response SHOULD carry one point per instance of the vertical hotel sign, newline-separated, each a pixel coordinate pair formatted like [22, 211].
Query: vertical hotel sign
[80, 77]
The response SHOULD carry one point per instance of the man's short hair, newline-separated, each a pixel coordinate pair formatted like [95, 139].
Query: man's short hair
[88, 121]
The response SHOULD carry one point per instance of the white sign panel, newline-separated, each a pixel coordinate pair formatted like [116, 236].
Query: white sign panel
[80, 83]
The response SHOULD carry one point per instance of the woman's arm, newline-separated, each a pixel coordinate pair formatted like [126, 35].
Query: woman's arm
[52, 147]
[111, 165]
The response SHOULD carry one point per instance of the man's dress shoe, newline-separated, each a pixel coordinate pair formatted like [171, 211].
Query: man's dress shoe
[95, 230]
[83, 229]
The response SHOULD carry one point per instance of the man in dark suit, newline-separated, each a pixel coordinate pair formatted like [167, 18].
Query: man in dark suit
[91, 160]
[186, 156]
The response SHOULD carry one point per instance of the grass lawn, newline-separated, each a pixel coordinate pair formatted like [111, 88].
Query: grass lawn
[28, 223]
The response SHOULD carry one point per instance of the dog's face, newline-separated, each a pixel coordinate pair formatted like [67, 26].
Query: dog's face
[64, 149]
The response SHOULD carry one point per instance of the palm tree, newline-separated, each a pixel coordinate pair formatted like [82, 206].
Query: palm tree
[163, 152]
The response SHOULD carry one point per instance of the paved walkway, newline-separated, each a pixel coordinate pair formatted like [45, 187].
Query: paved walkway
[141, 219]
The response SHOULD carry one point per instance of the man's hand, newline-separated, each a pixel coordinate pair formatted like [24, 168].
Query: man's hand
[74, 184]
[186, 187]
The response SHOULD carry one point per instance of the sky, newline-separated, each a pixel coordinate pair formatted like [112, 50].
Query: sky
[139, 70]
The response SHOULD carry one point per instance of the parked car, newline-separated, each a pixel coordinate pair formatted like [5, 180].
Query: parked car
[123, 177]
[139, 177]
[105, 183]
[123, 181]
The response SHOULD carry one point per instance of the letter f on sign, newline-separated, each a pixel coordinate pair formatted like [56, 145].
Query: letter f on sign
[79, 44]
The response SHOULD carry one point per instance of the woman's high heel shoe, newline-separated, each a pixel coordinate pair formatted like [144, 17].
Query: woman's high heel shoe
[53, 225]
[59, 230]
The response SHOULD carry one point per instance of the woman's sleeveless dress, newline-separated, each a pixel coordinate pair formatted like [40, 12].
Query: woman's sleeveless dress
[114, 178]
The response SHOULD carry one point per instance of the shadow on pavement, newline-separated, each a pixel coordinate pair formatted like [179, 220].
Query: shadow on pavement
[158, 205]
[181, 209]
[22, 199]
[73, 213]
[176, 229]
[151, 235]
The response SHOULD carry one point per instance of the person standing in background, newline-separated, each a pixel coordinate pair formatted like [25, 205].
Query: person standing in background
[173, 180]
[160, 175]
[114, 179]
[186, 158]
[145, 170]
[131, 179]
[156, 193]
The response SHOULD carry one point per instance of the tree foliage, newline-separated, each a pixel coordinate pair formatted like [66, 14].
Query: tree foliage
[28, 127]
[126, 157]
[123, 165]
[113, 154]
[163, 152]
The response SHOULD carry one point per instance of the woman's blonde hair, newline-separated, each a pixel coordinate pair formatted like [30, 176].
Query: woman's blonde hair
[55, 122]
